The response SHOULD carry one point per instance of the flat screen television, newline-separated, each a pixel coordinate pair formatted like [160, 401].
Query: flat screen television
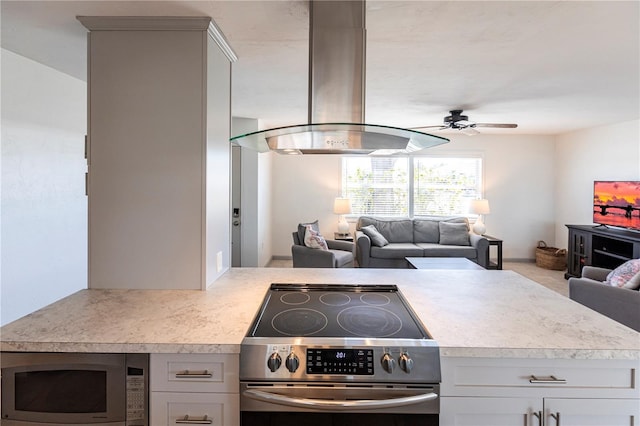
[617, 203]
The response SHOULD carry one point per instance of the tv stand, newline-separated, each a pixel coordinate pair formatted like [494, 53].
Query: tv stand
[601, 246]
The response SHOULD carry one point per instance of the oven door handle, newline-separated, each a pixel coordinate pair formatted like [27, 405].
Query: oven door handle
[324, 404]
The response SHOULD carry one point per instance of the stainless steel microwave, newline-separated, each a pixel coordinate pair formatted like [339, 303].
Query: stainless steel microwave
[74, 388]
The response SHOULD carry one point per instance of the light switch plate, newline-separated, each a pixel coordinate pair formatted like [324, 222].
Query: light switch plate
[219, 262]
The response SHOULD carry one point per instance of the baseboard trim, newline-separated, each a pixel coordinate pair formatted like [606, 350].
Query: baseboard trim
[281, 257]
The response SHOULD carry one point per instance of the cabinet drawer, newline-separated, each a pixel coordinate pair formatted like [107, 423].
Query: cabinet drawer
[176, 409]
[194, 373]
[517, 377]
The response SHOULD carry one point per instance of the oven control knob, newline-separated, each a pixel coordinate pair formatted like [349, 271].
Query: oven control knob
[274, 362]
[292, 362]
[388, 363]
[406, 363]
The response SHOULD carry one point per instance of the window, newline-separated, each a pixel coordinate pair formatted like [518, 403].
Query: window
[376, 185]
[411, 186]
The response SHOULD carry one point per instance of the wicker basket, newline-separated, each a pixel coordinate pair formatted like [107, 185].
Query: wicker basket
[550, 257]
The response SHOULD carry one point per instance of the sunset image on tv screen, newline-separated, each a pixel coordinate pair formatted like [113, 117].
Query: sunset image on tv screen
[617, 203]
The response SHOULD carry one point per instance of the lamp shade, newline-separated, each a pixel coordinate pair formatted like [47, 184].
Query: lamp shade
[479, 207]
[342, 206]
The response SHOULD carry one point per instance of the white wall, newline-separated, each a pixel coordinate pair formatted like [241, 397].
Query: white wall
[265, 207]
[601, 153]
[44, 209]
[304, 187]
[218, 167]
[519, 174]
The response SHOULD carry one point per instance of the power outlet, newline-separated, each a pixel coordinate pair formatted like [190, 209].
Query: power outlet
[219, 262]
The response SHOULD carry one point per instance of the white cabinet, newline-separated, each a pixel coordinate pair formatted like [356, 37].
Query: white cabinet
[470, 411]
[158, 152]
[584, 412]
[481, 411]
[194, 389]
[539, 392]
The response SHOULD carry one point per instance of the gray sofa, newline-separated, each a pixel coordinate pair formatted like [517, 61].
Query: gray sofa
[620, 304]
[418, 237]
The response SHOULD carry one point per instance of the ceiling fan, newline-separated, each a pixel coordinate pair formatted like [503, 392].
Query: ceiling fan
[461, 122]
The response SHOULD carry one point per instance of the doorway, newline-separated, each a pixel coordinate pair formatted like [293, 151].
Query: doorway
[236, 206]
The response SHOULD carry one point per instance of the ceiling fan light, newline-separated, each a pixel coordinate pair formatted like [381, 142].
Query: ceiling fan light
[469, 131]
[457, 121]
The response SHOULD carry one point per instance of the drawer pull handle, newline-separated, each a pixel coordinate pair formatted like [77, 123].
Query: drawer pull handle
[551, 379]
[556, 417]
[186, 374]
[195, 421]
[538, 415]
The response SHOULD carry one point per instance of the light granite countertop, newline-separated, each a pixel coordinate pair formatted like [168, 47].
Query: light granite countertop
[469, 313]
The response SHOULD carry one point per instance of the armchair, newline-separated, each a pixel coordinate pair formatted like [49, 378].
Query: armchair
[620, 304]
[339, 255]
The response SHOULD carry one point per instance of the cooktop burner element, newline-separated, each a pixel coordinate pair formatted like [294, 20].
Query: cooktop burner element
[369, 321]
[299, 322]
[375, 299]
[335, 299]
[297, 298]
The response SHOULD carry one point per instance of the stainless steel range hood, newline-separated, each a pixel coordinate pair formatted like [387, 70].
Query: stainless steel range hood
[337, 45]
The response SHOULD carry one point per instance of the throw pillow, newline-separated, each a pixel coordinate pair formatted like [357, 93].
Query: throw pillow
[454, 234]
[377, 239]
[633, 283]
[426, 231]
[314, 240]
[302, 229]
[623, 273]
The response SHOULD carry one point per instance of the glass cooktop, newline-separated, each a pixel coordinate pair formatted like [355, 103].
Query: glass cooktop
[333, 310]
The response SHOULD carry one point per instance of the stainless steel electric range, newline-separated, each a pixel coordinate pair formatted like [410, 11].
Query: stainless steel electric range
[322, 354]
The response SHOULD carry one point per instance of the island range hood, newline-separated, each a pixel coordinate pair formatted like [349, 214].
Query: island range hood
[337, 45]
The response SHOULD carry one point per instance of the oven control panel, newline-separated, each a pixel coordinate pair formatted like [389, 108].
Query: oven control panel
[340, 361]
[355, 362]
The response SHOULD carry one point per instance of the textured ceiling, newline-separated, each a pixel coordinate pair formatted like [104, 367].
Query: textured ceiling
[550, 66]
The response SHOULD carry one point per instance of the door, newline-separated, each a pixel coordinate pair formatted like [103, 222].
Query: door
[236, 200]
[591, 412]
[579, 251]
[472, 411]
[480, 411]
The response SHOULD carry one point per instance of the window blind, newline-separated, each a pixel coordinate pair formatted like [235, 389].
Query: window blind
[411, 186]
[376, 185]
[445, 186]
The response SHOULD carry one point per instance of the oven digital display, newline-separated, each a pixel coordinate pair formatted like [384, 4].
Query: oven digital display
[340, 361]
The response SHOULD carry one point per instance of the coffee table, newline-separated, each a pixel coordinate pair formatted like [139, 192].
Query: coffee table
[442, 263]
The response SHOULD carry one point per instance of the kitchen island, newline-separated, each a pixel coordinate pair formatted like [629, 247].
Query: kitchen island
[508, 345]
[469, 313]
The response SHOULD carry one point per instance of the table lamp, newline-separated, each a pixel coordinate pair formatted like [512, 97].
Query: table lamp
[342, 206]
[479, 207]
